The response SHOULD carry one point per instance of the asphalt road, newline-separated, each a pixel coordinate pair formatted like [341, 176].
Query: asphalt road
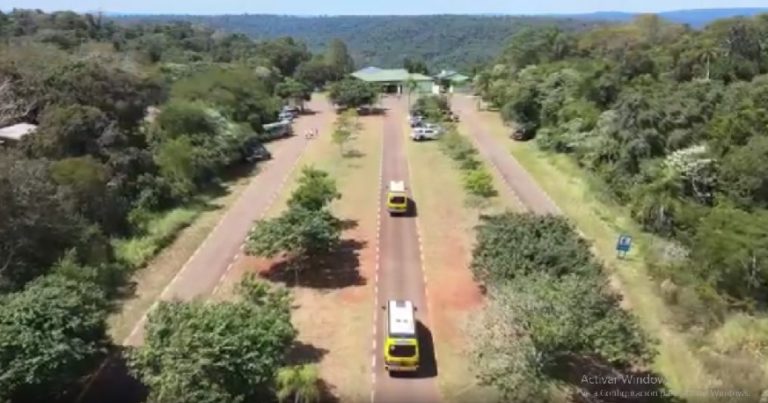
[400, 274]
[215, 256]
[498, 155]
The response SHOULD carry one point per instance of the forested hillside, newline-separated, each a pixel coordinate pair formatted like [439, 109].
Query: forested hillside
[135, 125]
[673, 124]
[442, 41]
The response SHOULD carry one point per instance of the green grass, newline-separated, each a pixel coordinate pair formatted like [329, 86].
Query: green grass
[161, 230]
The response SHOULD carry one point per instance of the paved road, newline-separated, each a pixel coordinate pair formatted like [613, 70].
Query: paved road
[213, 258]
[400, 274]
[497, 153]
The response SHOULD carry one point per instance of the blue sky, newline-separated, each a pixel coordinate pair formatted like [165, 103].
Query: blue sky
[337, 7]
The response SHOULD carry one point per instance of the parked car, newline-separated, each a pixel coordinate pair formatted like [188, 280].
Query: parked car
[257, 152]
[292, 109]
[416, 120]
[521, 134]
[286, 117]
[432, 126]
[425, 133]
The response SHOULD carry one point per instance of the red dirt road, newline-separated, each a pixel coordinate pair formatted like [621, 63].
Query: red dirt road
[215, 256]
[515, 176]
[400, 276]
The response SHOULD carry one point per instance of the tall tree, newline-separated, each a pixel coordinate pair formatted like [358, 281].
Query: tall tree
[338, 59]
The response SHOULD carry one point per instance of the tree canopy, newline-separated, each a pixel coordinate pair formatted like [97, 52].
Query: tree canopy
[210, 352]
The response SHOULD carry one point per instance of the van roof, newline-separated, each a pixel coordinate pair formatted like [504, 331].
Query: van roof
[397, 186]
[401, 320]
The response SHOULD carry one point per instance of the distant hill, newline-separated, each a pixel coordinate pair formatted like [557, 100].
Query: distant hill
[696, 18]
[442, 41]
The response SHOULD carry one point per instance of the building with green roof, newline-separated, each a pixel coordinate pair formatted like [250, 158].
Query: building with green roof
[395, 80]
[451, 81]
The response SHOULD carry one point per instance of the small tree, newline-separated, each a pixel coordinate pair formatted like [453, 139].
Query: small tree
[315, 191]
[478, 182]
[301, 382]
[307, 229]
[216, 352]
[346, 127]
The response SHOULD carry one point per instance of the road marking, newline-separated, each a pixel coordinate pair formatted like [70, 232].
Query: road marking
[378, 265]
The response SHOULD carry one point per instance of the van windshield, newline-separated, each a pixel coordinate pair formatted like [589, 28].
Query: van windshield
[397, 199]
[402, 351]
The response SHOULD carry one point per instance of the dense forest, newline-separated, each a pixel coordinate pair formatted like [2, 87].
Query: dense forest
[132, 123]
[441, 41]
[672, 123]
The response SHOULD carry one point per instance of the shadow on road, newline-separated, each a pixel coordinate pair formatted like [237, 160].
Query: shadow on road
[339, 269]
[428, 364]
[114, 383]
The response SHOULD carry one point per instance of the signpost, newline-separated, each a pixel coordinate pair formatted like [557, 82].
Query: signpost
[623, 245]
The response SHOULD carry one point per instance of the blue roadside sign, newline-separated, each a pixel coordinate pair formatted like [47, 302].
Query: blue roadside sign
[623, 244]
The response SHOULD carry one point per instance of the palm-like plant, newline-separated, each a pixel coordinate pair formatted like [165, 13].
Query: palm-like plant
[301, 382]
[708, 52]
[410, 85]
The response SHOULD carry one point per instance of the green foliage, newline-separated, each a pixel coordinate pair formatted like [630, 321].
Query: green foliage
[301, 382]
[462, 41]
[211, 352]
[339, 61]
[538, 324]
[730, 250]
[479, 182]
[671, 120]
[353, 93]
[345, 128]
[314, 72]
[178, 162]
[295, 91]
[38, 220]
[299, 232]
[434, 108]
[549, 308]
[513, 245]
[237, 92]
[68, 131]
[415, 66]
[316, 190]
[152, 232]
[51, 333]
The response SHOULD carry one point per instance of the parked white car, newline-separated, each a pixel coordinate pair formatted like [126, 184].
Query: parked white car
[425, 133]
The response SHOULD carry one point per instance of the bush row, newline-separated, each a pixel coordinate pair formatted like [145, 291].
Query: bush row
[476, 178]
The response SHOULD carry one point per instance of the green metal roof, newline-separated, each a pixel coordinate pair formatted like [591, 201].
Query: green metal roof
[388, 75]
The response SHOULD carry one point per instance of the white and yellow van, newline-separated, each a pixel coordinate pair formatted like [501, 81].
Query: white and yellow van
[401, 348]
[397, 198]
